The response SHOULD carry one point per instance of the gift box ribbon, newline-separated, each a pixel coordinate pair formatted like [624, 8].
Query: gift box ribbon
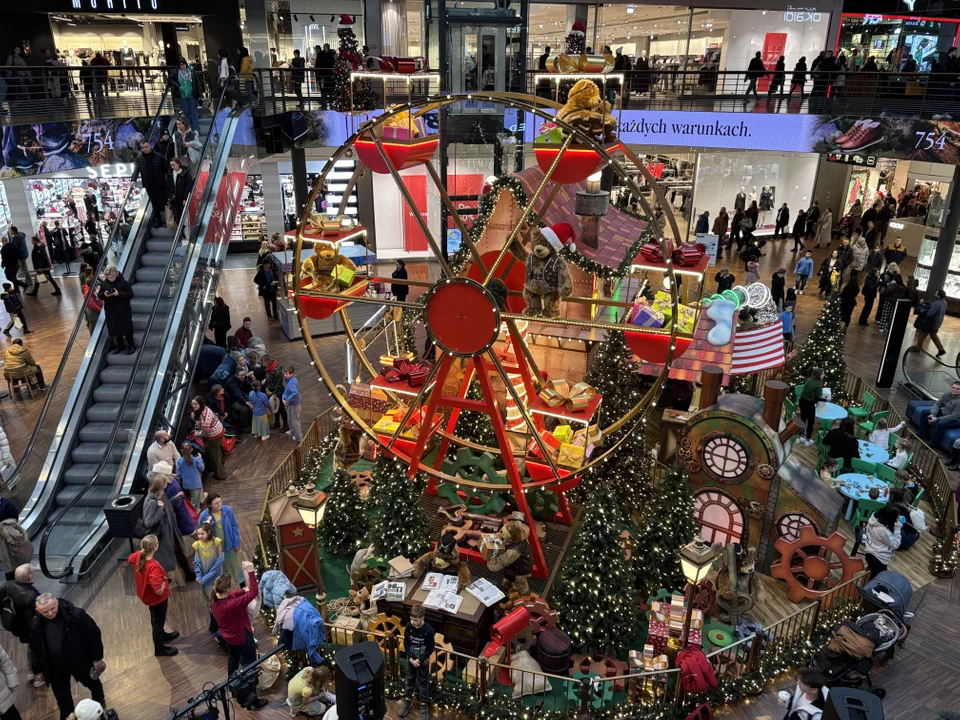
[558, 392]
[412, 373]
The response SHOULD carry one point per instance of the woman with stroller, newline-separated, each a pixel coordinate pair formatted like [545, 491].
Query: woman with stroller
[881, 538]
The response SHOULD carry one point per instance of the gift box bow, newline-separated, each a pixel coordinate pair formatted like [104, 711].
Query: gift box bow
[689, 253]
[651, 250]
[412, 373]
[559, 392]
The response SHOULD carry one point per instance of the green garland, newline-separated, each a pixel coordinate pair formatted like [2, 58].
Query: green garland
[606, 272]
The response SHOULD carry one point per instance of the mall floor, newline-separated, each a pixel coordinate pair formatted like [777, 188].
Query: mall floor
[917, 679]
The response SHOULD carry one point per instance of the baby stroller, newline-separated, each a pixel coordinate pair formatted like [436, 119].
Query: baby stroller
[860, 645]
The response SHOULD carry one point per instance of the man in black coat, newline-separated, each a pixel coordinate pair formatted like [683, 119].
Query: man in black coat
[66, 643]
[238, 402]
[755, 70]
[153, 175]
[18, 607]
[10, 261]
[783, 221]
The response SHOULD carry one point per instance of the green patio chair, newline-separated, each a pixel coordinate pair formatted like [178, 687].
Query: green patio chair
[863, 412]
[892, 441]
[796, 392]
[863, 466]
[864, 429]
[880, 415]
[865, 508]
[916, 499]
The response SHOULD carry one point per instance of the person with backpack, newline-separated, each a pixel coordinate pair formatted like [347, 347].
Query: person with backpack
[267, 286]
[18, 601]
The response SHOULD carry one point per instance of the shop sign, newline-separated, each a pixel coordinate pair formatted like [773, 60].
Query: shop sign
[114, 4]
[852, 159]
[97, 172]
[802, 15]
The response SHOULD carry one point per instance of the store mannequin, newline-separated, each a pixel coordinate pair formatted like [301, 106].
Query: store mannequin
[740, 202]
[642, 82]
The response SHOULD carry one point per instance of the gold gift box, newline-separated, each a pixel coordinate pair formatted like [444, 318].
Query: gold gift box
[570, 455]
[388, 361]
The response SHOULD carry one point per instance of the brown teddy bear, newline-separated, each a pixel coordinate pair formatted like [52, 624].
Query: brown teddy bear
[548, 277]
[445, 558]
[319, 266]
[588, 112]
[515, 560]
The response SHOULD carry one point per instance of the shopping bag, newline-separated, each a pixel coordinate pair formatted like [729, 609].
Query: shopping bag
[191, 510]
[17, 322]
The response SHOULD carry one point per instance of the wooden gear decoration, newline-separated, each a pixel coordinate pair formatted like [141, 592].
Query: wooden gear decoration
[806, 567]
[465, 318]
[385, 625]
[542, 616]
[442, 661]
[366, 577]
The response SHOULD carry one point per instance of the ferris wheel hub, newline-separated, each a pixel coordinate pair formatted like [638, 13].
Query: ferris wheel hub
[462, 316]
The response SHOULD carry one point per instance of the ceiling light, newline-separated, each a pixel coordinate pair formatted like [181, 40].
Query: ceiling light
[630, 9]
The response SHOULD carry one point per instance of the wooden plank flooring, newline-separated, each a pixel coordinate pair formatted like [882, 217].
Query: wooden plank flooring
[917, 679]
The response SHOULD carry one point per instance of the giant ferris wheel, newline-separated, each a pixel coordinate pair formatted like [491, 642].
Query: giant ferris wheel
[475, 316]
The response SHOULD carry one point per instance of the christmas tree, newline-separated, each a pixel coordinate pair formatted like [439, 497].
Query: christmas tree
[400, 526]
[669, 524]
[475, 426]
[594, 593]
[576, 39]
[823, 348]
[616, 377]
[360, 97]
[345, 520]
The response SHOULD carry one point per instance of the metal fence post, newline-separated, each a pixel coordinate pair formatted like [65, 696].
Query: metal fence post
[753, 657]
[482, 667]
[584, 697]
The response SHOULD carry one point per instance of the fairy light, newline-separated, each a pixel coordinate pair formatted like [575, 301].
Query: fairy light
[823, 348]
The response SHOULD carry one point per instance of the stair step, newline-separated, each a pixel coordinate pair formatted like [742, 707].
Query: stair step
[124, 360]
[155, 259]
[120, 374]
[115, 392]
[151, 342]
[96, 432]
[81, 473]
[92, 452]
[107, 412]
[164, 232]
[144, 306]
[145, 289]
[95, 497]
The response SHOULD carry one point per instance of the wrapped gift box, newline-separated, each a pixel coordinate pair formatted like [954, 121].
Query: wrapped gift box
[342, 274]
[552, 443]
[658, 635]
[369, 402]
[686, 318]
[563, 433]
[389, 361]
[330, 227]
[645, 316]
[386, 425]
[346, 631]
[491, 545]
[395, 132]
[570, 455]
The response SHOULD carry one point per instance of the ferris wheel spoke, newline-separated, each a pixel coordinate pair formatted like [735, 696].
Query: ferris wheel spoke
[524, 413]
[414, 210]
[349, 189]
[522, 221]
[417, 402]
[359, 299]
[451, 208]
[518, 341]
[657, 191]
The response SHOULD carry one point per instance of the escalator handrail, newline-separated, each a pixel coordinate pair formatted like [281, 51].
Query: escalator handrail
[118, 422]
[917, 350]
[101, 266]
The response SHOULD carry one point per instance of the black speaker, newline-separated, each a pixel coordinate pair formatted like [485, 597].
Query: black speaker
[359, 682]
[850, 704]
[121, 513]
[890, 359]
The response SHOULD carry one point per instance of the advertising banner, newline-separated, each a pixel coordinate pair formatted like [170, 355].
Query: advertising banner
[40, 148]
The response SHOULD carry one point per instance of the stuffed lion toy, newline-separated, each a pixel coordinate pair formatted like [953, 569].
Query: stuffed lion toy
[588, 112]
[319, 266]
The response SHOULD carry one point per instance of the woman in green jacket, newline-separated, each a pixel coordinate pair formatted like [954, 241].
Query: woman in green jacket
[809, 397]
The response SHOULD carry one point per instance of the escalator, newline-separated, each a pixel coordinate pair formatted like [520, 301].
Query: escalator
[925, 376]
[117, 400]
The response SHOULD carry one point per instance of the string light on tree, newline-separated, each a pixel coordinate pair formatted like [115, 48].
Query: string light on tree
[400, 526]
[345, 521]
[360, 96]
[823, 348]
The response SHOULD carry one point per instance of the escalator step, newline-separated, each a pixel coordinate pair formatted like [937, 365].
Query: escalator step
[95, 497]
[115, 393]
[160, 245]
[80, 473]
[121, 374]
[164, 232]
[96, 432]
[154, 259]
[123, 359]
[151, 274]
[92, 452]
[144, 306]
[107, 412]
[152, 341]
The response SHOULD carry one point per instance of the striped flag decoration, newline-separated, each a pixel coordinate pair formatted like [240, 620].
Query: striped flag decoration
[757, 349]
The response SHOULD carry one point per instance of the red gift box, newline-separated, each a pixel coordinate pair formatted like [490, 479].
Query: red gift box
[549, 440]
[651, 250]
[658, 634]
[689, 253]
[413, 373]
[370, 403]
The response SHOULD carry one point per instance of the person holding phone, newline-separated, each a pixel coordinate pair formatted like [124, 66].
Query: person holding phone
[115, 292]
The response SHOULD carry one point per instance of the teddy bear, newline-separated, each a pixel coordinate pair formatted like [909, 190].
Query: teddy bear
[588, 112]
[318, 267]
[548, 277]
[515, 561]
[445, 558]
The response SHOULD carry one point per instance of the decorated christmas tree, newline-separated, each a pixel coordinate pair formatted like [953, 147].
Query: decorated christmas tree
[594, 593]
[475, 426]
[313, 464]
[669, 524]
[400, 526]
[616, 377]
[361, 96]
[345, 520]
[575, 42]
[823, 348]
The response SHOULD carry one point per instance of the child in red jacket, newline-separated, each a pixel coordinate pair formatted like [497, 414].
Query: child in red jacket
[153, 589]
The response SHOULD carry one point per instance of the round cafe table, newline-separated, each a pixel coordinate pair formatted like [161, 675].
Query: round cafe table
[871, 452]
[830, 411]
[857, 486]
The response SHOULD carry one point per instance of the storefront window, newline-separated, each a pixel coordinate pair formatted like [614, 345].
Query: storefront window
[891, 39]
[4, 210]
[128, 41]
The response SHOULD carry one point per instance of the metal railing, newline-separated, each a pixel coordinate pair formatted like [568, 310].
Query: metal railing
[32, 461]
[202, 183]
[59, 92]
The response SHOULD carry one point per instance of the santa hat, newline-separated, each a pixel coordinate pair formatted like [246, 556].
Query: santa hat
[346, 20]
[559, 235]
[578, 28]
